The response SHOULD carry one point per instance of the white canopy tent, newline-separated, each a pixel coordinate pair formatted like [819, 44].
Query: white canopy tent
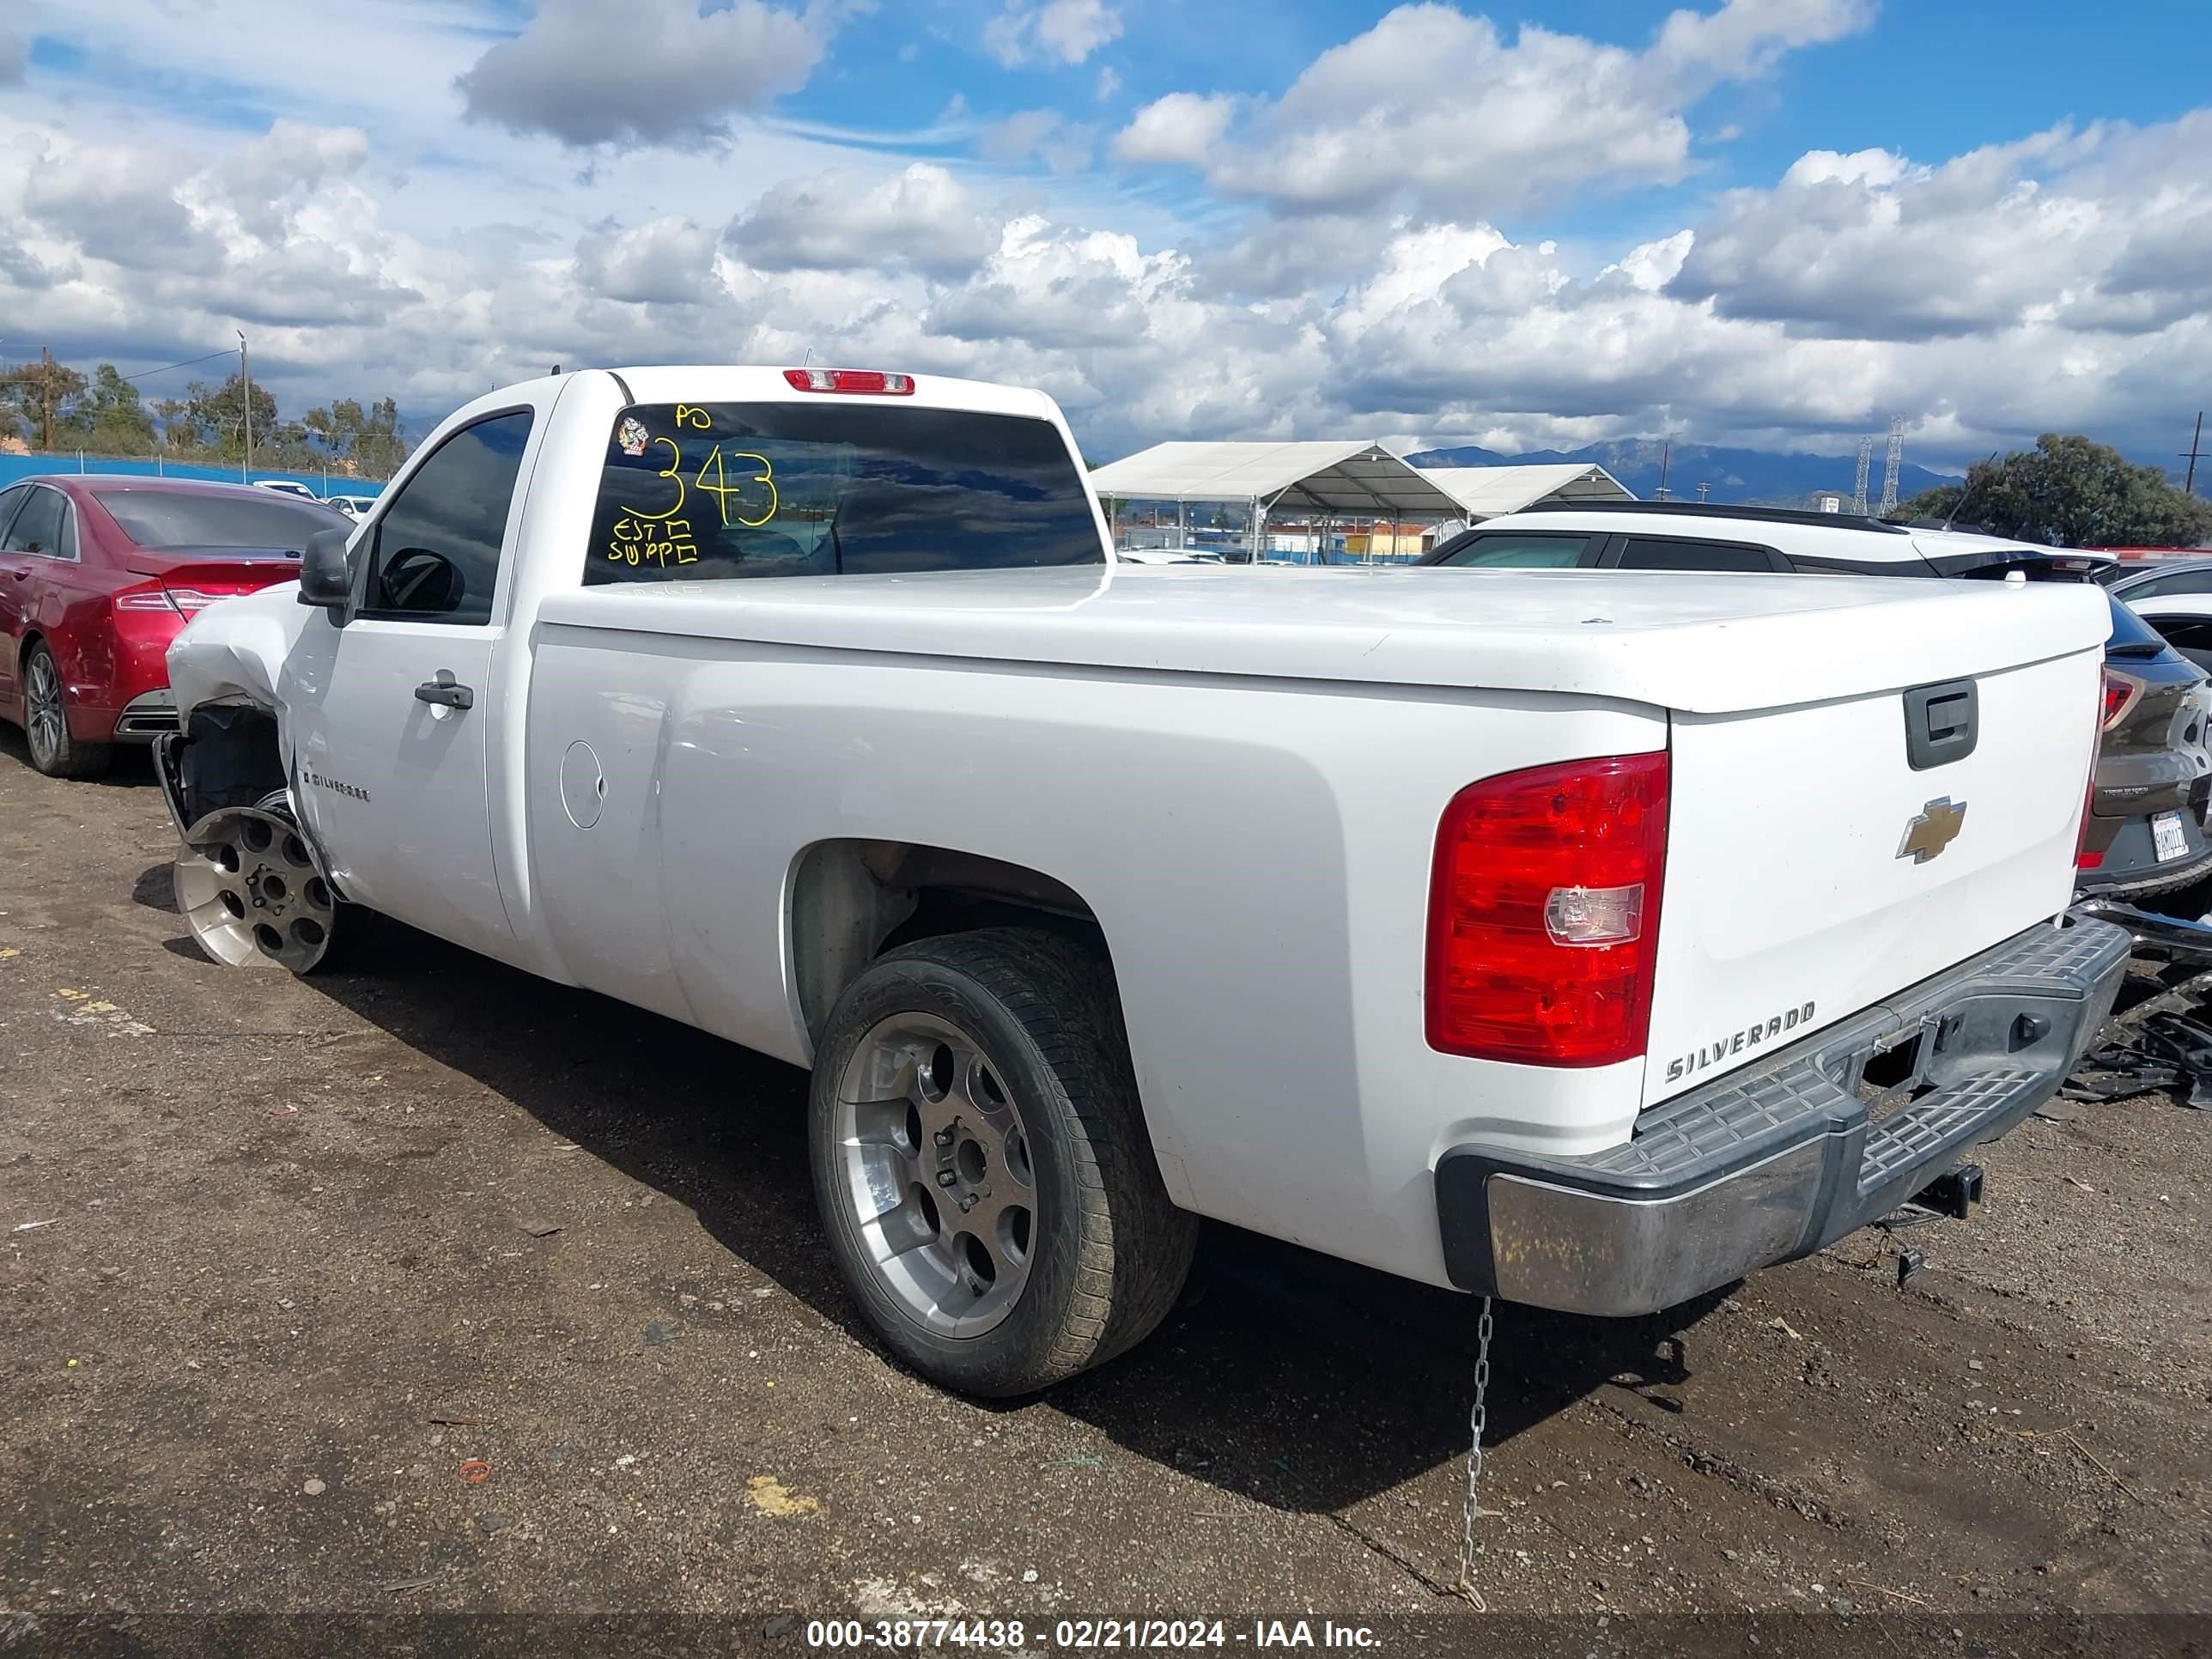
[1484, 492]
[1331, 479]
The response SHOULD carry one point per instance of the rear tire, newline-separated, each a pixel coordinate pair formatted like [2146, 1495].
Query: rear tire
[986, 1075]
[45, 722]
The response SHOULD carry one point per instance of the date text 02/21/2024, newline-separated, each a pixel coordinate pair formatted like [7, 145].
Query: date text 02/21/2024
[1084, 1634]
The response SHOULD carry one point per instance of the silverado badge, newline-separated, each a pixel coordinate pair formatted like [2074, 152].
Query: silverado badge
[1936, 828]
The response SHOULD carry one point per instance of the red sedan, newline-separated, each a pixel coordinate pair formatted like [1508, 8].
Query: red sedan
[98, 572]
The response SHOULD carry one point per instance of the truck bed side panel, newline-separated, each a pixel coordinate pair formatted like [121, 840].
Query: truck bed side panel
[1241, 842]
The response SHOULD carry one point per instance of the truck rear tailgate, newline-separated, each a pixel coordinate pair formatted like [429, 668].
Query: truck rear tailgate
[1814, 869]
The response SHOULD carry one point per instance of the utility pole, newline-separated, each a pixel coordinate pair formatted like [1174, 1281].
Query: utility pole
[46, 378]
[1666, 455]
[246, 380]
[1892, 465]
[2189, 479]
[1702, 489]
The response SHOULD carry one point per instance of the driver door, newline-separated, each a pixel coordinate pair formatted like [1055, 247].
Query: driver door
[389, 712]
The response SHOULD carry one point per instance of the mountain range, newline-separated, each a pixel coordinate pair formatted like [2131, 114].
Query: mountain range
[1767, 476]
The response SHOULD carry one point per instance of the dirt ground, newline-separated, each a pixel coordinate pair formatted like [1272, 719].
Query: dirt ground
[430, 1287]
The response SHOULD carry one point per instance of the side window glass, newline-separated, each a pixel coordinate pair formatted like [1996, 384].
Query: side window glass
[2182, 582]
[1651, 554]
[436, 557]
[38, 527]
[65, 545]
[1519, 550]
[11, 500]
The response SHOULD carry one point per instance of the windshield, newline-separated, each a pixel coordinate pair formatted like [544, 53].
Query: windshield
[265, 519]
[695, 492]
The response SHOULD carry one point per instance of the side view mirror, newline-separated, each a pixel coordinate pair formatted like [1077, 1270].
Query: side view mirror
[325, 580]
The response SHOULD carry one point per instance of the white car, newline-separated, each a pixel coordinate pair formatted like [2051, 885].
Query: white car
[2174, 596]
[354, 507]
[287, 487]
[1587, 940]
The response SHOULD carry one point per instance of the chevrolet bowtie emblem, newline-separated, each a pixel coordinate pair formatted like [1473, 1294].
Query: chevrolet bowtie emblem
[1934, 829]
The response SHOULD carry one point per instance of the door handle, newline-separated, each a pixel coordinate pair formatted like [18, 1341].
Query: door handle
[21, 575]
[444, 689]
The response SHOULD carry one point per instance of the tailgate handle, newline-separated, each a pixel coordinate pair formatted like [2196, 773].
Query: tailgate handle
[1941, 724]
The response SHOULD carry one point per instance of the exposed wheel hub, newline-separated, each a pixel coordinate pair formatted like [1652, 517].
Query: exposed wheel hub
[964, 1162]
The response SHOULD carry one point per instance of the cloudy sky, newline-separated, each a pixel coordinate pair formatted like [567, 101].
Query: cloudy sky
[1763, 222]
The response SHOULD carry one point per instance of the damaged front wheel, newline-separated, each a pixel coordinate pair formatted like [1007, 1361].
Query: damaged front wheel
[251, 890]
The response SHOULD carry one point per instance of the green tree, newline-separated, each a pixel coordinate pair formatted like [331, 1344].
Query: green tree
[369, 442]
[30, 393]
[212, 420]
[2069, 492]
[109, 417]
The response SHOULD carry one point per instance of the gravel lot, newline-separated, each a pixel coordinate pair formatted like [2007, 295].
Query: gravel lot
[427, 1286]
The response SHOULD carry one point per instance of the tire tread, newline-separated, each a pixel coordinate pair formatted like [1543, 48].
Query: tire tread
[1134, 1248]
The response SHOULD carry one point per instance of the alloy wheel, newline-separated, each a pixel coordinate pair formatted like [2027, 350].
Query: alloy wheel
[45, 717]
[250, 890]
[936, 1161]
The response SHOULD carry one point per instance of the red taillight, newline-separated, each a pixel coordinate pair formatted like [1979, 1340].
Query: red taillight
[2120, 694]
[1544, 913]
[2083, 858]
[849, 380]
[185, 599]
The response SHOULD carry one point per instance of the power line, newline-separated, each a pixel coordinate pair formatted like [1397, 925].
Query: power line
[187, 363]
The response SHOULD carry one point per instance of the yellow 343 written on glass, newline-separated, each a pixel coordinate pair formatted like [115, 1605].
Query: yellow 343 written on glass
[739, 502]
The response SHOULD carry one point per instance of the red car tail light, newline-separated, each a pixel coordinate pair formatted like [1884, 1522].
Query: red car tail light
[1544, 913]
[184, 599]
[850, 379]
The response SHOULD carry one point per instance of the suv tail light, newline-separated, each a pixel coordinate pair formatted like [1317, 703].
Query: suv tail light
[850, 379]
[1544, 913]
[2120, 693]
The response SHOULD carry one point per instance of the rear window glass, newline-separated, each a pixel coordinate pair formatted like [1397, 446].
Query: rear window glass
[1665, 553]
[2131, 633]
[692, 492]
[267, 519]
[1509, 550]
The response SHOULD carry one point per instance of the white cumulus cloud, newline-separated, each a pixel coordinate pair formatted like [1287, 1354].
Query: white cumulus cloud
[1066, 31]
[1439, 111]
[643, 71]
[1183, 127]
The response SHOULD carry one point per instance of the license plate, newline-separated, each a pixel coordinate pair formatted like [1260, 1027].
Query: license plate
[2172, 842]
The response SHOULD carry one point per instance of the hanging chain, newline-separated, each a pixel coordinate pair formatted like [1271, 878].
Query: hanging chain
[1478, 1419]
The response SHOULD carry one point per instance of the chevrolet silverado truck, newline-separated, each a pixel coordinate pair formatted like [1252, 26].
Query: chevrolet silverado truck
[1584, 939]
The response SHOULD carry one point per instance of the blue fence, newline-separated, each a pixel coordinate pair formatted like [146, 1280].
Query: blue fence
[15, 467]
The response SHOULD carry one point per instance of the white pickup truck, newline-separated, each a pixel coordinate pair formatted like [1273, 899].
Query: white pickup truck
[1587, 940]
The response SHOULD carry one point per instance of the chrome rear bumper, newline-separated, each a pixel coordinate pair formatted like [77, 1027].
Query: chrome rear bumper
[144, 718]
[1777, 1160]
